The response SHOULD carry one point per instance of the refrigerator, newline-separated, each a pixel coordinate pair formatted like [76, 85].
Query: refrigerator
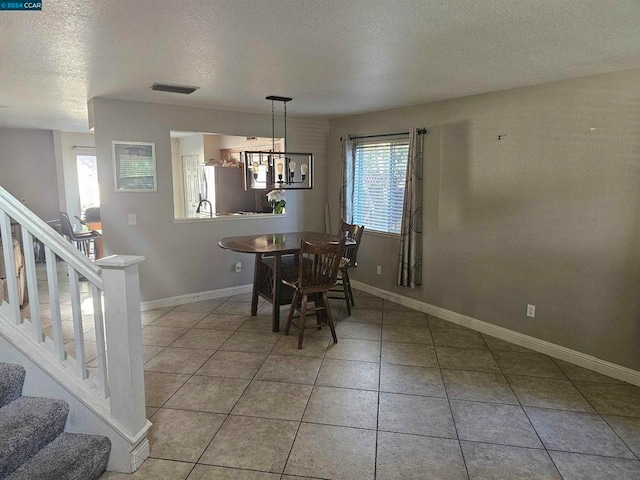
[224, 188]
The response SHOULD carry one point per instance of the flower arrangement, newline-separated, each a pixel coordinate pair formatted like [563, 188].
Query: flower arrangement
[278, 199]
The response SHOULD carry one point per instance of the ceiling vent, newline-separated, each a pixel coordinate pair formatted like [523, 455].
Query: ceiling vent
[168, 87]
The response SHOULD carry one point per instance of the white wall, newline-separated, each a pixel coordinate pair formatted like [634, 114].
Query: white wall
[181, 257]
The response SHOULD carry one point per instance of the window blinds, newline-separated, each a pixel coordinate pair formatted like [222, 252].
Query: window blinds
[136, 170]
[380, 172]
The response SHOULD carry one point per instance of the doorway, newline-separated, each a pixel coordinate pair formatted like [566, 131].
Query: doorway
[192, 178]
[88, 186]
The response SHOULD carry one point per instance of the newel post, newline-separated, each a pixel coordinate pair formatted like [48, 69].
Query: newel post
[121, 286]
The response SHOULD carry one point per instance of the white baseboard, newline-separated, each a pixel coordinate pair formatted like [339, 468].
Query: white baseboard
[556, 351]
[195, 297]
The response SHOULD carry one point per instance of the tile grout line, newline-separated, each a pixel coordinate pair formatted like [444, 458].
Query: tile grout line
[379, 363]
[375, 457]
[446, 392]
[303, 412]
[637, 457]
[227, 415]
[180, 387]
[523, 410]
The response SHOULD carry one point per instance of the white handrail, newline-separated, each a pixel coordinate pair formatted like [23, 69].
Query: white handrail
[47, 235]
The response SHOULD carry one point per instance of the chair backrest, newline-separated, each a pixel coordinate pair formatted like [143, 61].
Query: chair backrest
[56, 225]
[92, 214]
[318, 265]
[65, 225]
[353, 233]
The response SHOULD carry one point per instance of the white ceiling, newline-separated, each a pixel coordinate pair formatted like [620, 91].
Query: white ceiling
[334, 57]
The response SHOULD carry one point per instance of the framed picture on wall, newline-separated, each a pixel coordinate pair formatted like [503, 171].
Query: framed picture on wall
[134, 166]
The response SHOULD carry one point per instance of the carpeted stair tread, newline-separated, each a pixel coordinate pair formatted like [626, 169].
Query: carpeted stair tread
[11, 381]
[26, 425]
[71, 456]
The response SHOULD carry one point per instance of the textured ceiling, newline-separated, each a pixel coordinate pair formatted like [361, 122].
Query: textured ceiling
[334, 57]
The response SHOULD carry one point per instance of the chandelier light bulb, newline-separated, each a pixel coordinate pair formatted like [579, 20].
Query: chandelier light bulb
[292, 171]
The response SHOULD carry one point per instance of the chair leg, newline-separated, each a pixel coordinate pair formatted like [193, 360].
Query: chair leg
[303, 314]
[294, 303]
[317, 299]
[345, 287]
[327, 307]
[348, 282]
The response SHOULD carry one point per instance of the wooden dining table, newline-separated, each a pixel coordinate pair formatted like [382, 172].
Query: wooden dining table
[274, 254]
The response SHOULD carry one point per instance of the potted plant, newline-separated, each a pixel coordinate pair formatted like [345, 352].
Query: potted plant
[277, 199]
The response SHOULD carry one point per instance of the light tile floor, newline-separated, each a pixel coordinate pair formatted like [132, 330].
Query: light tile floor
[401, 396]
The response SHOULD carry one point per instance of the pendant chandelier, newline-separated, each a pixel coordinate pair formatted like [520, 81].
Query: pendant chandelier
[275, 169]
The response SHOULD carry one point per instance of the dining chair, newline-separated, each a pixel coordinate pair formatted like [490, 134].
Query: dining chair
[318, 265]
[81, 239]
[353, 235]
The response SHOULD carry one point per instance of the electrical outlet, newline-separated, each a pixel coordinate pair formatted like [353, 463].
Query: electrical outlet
[238, 266]
[379, 270]
[132, 219]
[531, 310]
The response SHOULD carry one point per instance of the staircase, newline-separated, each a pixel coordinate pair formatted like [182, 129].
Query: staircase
[97, 375]
[33, 444]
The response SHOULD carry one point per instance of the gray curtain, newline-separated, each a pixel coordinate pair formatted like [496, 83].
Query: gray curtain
[347, 181]
[410, 259]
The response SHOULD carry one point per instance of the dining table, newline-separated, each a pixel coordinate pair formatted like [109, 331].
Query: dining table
[275, 258]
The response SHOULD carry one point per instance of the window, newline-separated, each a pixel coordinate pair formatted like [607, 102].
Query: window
[134, 166]
[379, 178]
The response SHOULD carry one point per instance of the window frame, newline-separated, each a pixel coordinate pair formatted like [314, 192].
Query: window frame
[395, 185]
[119, 160]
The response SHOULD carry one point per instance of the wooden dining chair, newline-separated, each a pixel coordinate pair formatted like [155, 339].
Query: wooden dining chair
[318, 265]
[352, 235]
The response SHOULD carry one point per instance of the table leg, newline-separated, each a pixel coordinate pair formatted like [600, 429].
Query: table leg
[98, 246]
[254, 294]
[277, 285]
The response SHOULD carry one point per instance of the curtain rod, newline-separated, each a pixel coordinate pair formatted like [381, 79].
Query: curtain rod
[421, 131]
[78, 147]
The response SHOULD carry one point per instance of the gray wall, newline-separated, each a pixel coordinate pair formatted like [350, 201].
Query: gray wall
[184, 257]
[548, 215]
[28, 169]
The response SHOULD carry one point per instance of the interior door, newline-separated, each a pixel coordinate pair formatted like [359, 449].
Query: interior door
[191, 175]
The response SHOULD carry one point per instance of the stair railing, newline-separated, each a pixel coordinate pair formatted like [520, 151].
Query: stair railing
[112, 303]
